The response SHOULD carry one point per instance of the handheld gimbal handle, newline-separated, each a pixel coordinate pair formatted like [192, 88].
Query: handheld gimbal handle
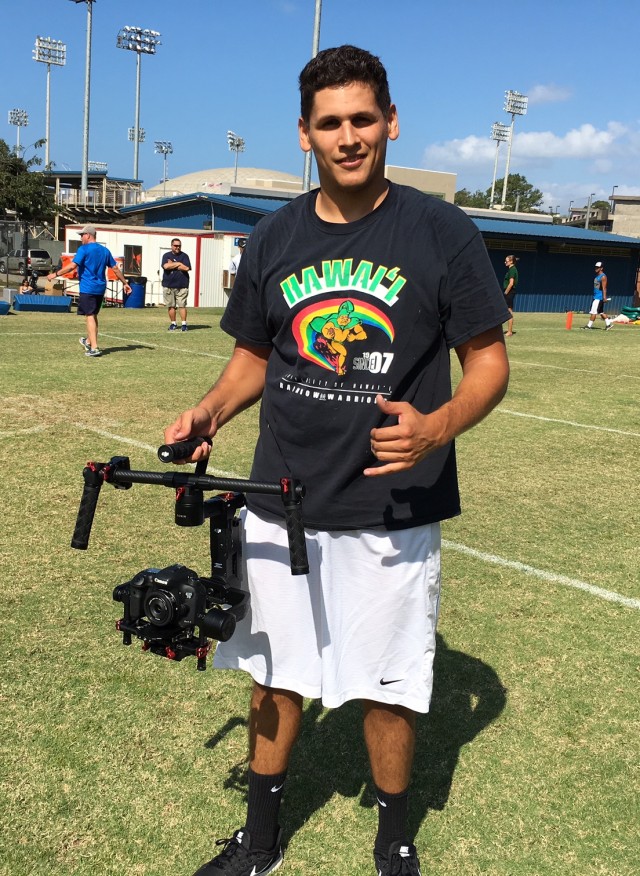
[181, 449]
[95, 474]
[292, 501]
[88, 503]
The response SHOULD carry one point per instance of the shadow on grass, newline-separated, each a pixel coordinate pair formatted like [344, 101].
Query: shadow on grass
[130, 348]
[191, 328]
[330, 756]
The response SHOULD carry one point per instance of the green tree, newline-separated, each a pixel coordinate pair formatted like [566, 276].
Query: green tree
[519, 190]
[600, 205]
[465, 198]
[23, 191]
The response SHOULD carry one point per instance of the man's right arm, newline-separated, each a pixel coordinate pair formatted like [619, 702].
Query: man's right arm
[240, 385]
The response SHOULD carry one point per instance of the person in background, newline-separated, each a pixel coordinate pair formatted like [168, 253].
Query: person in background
[401, 278]
[175, 283]
[235, 261]
[509, 284]
[600, 298]
[91, 262]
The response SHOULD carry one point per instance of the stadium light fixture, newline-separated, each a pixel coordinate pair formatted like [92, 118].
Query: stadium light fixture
[19, 118]
[48, 51]
[142, 41]
[164, 148]
[98, 166]
[236, 144]
[516, 104]
[141, 134]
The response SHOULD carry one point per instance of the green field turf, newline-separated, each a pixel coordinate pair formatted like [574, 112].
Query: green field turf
[119, 763]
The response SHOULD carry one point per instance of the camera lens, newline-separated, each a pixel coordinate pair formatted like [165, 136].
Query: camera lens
[160, 607]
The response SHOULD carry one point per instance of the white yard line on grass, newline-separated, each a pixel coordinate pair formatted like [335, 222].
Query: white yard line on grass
[29, 431]
[577, 370]
[501, 410]
[552, 577]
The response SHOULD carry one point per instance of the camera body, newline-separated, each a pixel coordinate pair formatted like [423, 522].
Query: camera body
[165, 607]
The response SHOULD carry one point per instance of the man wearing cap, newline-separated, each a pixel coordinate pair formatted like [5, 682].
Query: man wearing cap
[235, 261]
[91, 262]
[599, 298]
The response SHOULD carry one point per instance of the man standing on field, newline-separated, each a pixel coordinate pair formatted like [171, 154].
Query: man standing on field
[346, 304]
[91, 262]
[175, 283]
[599, 299]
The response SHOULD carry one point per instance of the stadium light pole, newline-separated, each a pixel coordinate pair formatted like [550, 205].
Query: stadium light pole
[142, 42]
[613, 206]
[501, 134]
[236, 144]
[586, 221]
[19, 118]
[48, 51]
[516, 104]
[84, 183]
[164, 148]
[306, 176]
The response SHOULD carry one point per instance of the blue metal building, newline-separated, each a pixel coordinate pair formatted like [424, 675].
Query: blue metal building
[202, 211]
[556, 263]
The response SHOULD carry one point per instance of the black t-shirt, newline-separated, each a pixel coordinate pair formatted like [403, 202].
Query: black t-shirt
[353, 310]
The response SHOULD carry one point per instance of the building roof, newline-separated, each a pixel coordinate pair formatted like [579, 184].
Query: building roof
[218, 179]
[261, 204]
[506, 228]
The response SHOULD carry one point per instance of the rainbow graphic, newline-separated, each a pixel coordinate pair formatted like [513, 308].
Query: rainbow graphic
[305, 334]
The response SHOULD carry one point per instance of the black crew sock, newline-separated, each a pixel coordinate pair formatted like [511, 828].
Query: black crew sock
[265, 794]
[392, 820]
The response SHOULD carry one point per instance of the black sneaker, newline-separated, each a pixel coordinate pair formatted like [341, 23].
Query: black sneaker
[239, 859]
[402, 860]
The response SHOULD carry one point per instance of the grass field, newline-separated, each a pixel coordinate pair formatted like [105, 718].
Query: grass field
[114, 762]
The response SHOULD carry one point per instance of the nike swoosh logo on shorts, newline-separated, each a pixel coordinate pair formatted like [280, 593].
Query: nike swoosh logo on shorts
[391, 680]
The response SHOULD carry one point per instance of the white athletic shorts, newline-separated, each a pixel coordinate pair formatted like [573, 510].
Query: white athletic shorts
[597, 306]
[360, 625]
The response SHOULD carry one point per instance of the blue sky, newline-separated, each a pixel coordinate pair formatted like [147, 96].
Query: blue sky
[225, 65]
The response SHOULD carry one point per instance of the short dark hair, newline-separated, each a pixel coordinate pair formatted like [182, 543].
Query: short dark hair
[341, 66]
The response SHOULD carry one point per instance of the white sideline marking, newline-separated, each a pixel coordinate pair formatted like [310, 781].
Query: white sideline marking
[502, 410]
[28, 431]
[577, 370]
[552, 577]
[165, 347]
[149, 447]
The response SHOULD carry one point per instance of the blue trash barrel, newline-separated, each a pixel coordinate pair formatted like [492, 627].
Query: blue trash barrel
[138, 289]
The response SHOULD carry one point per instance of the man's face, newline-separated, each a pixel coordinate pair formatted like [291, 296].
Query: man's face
[176, 246]
[348, 134]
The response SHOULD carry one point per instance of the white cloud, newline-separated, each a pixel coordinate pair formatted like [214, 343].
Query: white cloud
[548, 94]
[585, 142]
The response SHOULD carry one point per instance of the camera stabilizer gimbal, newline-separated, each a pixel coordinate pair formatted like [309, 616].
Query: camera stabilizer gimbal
[163, 607]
